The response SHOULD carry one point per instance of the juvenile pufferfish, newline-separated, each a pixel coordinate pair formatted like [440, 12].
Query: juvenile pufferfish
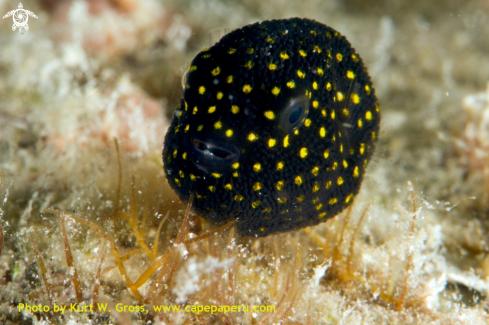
[278, 122]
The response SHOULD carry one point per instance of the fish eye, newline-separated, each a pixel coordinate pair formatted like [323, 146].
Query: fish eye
[294, 114]
[185, 77]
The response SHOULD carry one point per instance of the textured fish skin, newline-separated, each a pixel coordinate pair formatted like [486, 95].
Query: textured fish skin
[232, 143]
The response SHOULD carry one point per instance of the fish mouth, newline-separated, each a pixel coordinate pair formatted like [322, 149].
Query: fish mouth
[210, 155]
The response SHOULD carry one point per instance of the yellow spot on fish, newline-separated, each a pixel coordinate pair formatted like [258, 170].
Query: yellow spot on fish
[250, 64]
[193, 68]
[316, 48]
[328, 184]
[235, 109]
[368, 115]
[339, 57]
[328, 86]
[286, 141]
[340, 180]
[341, 147]
[269, 115]
[271, 143]
[177, 181]
[326, 154]
[201, 90]
[322, 215]
[235, 174]
[355, 98]
[206, 56]
[219, 95]
[267, 210]
[335, 166]
[300, 198]
[345, 164]
[350, 74]
[235, 165]
[175, 153]
[195, 110]
[333, 201]
[284, 56]
[333, 114]
[302, 53]
[228, 187]
[280, 185]
[377, 108]
[354, 57]
[319, 206]
[367, 89]
[257, 186]
[250, 50]
[322, 132]
[218, 125]
[348, 198]
[216, 175]
[229, 79]
[362, 148]
[216, 71]
[211, 109]
[345, 112]
[187, 128]
[298, 180]
[184, 156]
[246, 89]
[301, 74]
[270, 40]
[280, 165]
[315, 104]
[291, 84]
[315, 85]
[356, 172]
[340, 96]
[181, 174]
[303, 153]
[373, 135]
[200, 127]
[252, 137]
[231, 51]
[272, 66]
[320, 72]
[315, 171]
[313, 32]
[323, 112]
[257, 167]
[192, 177]
[315, 188]
[212, 189]
[238, 198]
[307, 123]
[360, 123]
[255, 204]
[276, 91]
[229, 133]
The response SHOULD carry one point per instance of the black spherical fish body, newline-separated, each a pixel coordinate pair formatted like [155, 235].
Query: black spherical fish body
[278, 122]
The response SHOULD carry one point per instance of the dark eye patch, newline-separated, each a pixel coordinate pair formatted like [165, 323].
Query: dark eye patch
[294, 114]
